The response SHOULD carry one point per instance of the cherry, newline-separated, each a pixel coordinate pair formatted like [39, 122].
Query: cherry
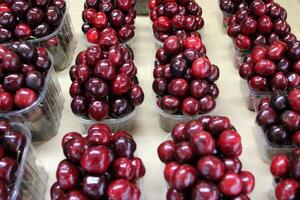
[8, 169]
[76, 194]
[74, 149]
[229, 143]
[287, 189]
[178, 87]
[277, 134]
[6, 101]
[183, 152]
[190, 106]
[173, 194]
[218, 124]
[99, 20]
[169, 170]
[124, 147]
[201, 68]
[57, 192]
[205, 190]
[248, 181]
[121, 84]
[166, 151]
[98, 137]
[266, 117]
[172, 45]
[279, 166]
[211, 168]
[69, 136]
[67, 175]
[94, 186]
[138, 168]
[293, 98]
[25, 97]
[123, 168]
[96, 159]
[120, 189]
[203, 143]
[231, 184]
[184, 177]
[98, 110]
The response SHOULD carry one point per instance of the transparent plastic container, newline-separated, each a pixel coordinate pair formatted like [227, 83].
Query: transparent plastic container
[43, 116]
[141, 7]
[239, 56]
[252, 97]
[125, 123]
[226, 17]
[168, 121]
[61, 43]
[31, 176]
[268, 150]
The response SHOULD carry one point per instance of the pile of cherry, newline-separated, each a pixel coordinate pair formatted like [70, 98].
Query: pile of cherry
[100, 165]
[12, 147]
[202, 161]
[104, 83]
[285, 170]
[108, 21]
[23, 19]
[23, 70]
[184, 77]
[279, 117]
[179, 17]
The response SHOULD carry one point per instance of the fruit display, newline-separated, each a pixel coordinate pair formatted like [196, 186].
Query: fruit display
[278, 119]
[201, 161]
[108, 21]
[22, 176]
[104, 85]
[229, 8]
[42, 23]
[181, 18]
[184, 80]
[285, 169]
[100, 165]
[30, 92]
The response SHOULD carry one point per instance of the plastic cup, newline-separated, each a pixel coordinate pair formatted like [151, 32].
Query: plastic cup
[31, 176]
[125, 123]
[43, 116]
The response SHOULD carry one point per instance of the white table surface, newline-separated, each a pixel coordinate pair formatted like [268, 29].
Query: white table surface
[147, 131]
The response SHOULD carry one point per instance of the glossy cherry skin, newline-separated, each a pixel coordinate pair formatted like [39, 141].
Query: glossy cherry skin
[120, 189]
[57, 192]
[280, 165]
[207, 103]
[291, 120]
[178, 87]
[24, 97]
[34, 80]
[293, 98]
[248, 181]
[94, 186]
[8, 169]
[14, 141]
[79, 105]
[67, 175]
[136, 95]
[184, 177]
[266, 117]
[198, 88]
[124, 147]
[172, 45]
[183, 152]
[98, 137]
[231, 184]
[98, 110]
[174, 194]
[69, 136]
[201, 68]
[139, 169]
[104, 70]
[232, 165]
[296, 138]
[166, 151]
[205, 190]
[211, 168]
[178, 133]
[229, 143]
[194, 43]
[76, 194]
[190, 106]
[96, 159]
[294, 169]
[122, 168]
[74, 149]
[287, 189]
[6, 101]
[203, 143]
[93, 35]
[121, 84]
[218, 124]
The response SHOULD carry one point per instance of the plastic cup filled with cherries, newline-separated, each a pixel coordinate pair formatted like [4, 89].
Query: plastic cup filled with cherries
[181, 18]
[42, 23]
[184, 81]
[105, 87]
[285, 170]
[108, 21]
[22, 175]
[201, 161]
[278, 119]
[99, 165]
[29, 89]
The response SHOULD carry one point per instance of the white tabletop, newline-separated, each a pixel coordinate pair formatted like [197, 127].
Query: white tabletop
[147, 131]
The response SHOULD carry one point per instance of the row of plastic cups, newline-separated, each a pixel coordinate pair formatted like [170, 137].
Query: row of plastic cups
[43, 116]
[61, 43]
[31, 182]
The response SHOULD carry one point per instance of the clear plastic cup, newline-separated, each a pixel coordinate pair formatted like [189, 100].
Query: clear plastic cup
[239, 56]
[168, 121]
[43, 116]
[31, 176]
[125, 123]
[141, 7]
[226, 18]
[61, 43]
[268, 150]
[252, 97]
